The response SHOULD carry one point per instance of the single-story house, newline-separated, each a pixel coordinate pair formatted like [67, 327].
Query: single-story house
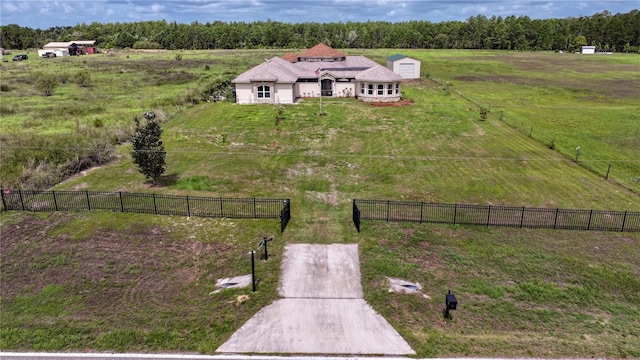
[78, 47]
[319, 71]
[588, 50]
[408, 68]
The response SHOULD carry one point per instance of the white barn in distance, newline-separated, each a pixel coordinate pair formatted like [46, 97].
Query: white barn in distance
[588, 50]
[408, 68]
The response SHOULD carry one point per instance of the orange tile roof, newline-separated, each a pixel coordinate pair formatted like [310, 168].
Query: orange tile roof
[290, 57]
[321, 51]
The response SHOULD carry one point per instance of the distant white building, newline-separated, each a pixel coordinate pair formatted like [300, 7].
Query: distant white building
[408, 68]
[588, 50]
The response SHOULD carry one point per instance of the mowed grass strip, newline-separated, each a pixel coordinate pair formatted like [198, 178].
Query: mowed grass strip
[562, 100]
[435, 150]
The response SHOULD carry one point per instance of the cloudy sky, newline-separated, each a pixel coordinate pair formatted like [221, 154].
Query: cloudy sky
[45, 14]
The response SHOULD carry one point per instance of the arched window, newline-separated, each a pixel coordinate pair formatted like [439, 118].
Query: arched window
[264, 92]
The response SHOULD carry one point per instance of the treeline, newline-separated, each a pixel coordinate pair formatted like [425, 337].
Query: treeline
[619, 32]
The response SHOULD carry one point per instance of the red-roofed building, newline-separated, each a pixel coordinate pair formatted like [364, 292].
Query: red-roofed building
[319, 71]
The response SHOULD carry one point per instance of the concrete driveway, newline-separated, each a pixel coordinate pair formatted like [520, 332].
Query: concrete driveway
[322, 310]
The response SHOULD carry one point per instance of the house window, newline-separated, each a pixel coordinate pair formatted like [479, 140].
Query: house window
[390, 89]
[264, 92]
[370, 89]
[397, 88]
[362, 87]
[380, 89]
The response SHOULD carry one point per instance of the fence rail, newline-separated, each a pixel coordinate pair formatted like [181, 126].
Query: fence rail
[247, 208]
[571, 219]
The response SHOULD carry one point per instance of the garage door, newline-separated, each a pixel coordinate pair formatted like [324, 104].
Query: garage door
[406, 70]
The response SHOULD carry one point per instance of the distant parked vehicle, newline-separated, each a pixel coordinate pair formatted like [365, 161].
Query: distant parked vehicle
[49, 54]
[20, 57]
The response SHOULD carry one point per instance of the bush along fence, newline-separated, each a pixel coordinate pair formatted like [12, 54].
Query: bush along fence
[247, 208]
[488, 215]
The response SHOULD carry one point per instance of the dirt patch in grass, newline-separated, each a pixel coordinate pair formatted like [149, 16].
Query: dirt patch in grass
[150, 281]
[614, 88]
[115, 269]
[547, 65]
[388, 104]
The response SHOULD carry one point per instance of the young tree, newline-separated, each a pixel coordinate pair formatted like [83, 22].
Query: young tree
[579, 41]
[148, 151]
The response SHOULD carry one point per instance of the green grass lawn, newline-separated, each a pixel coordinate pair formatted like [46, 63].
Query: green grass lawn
[531, 293]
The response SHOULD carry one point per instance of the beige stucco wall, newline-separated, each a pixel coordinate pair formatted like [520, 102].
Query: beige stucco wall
[306, 89]
[283, 94]
[244, 94]
[248, 94]
[344, 89]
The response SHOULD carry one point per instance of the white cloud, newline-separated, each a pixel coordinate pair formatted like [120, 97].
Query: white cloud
[548, 6]
[157, 8]
[47, 13]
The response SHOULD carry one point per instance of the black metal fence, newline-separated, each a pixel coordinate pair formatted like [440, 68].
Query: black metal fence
[401, 211]
[249, 208]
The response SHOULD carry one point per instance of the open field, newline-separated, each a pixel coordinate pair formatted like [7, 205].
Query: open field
[562, 100]
[98, 280]
[123, 282]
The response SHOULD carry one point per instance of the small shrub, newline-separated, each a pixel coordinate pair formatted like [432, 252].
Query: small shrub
[483, 113]
[83, 78]
[98, 123]
[178, 57]
[7, 109]
[207, 67]
[63, 78]
[46, 84]
[4, 87]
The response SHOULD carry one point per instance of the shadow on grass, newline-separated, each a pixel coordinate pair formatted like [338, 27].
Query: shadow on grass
[166, 180]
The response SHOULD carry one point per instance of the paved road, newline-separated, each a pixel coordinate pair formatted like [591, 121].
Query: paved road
[323, 310]
[102, 356]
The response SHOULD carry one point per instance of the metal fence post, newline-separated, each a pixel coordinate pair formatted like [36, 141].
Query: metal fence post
[155, 207]
[589, 223]
[356, 215]
[489, 215]
[388, 209]
[4, 203]
[88, 202]
[55, 202]
[188, 208]
[455, 213]
[421, 206]
[555, 221]
[522, 217]
[121, 202]
[221, 212]
[254, 208]
[624, 220]
[22, 200]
